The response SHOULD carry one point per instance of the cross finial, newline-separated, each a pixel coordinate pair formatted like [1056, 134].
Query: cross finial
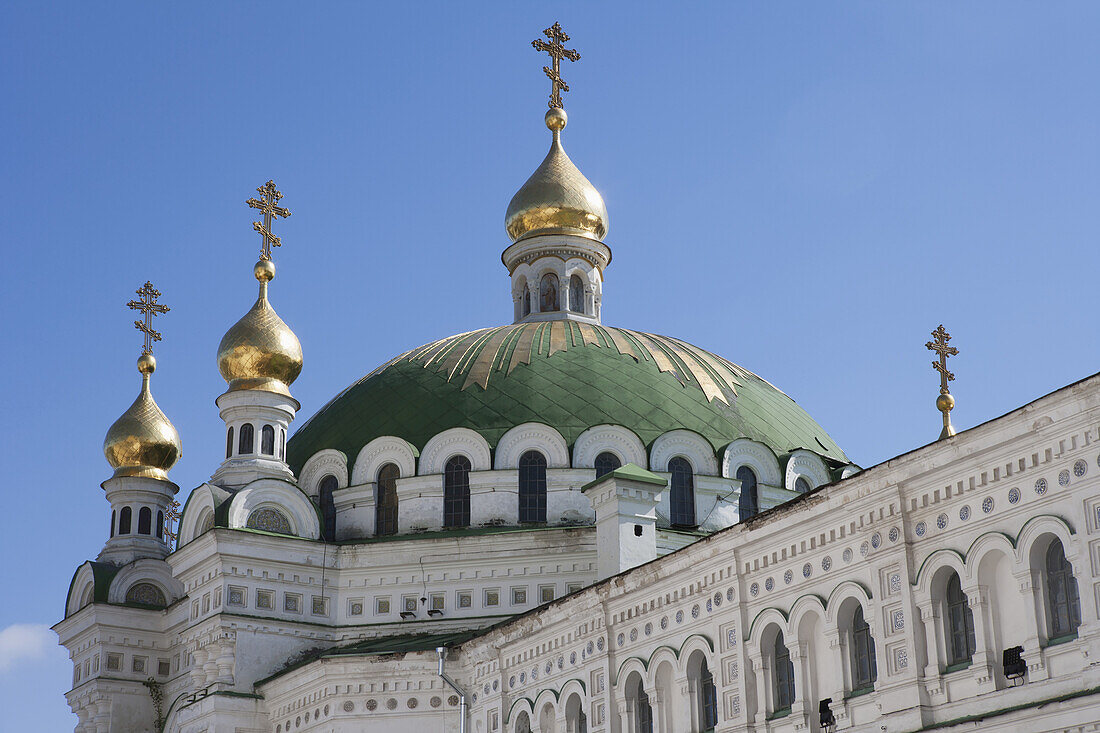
[170, 518]
[557, 50]
[149, 306]
[945, 402]
[268, 203]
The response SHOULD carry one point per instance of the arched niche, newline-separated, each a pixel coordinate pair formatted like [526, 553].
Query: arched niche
[808, 465]
[464, 441]
[688, 444]
[532, 436]
[612, 438]
[379, 452]
[327, 462]
[285, 498]
[757, 456]
[154, 572]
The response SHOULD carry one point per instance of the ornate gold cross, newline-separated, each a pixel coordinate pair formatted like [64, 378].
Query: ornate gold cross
[149, 306]
[557, 50]
[268, 204]
[940, 347]
[170, 518]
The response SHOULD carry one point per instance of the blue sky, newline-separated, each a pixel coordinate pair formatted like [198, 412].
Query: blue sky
[805, 188]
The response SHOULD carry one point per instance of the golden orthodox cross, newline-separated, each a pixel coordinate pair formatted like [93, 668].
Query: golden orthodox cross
[170, 518]
[268, 204]
[940, 347]
[149, 306]
[557, 50]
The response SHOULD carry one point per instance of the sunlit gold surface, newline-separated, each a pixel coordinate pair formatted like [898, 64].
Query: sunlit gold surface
[557, 199]
[142, 442]
[945, 402]
[260, 351]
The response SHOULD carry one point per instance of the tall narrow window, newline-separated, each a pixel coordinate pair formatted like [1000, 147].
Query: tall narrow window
[1063, 602]
[643, 712]
[282, 444]
[267, 440]
[532, 487]
[145, 520]
[523, 722]
[229, 442]
[862, 647]
[607, 462]
[456, 492]
[783, 671]
[527, 301]
[124, 520]
[747, 505]
[385, 500]
[708, 698]
[113, 522]
[244, 445]
[682, 492]
[160, 524]
[548, 293]
[328, 505]
[960, 623]
[576, 294]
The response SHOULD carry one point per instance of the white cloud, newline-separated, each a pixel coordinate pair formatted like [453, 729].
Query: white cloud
[24, 642]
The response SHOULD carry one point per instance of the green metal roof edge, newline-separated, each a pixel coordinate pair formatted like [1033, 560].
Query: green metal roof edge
[630, 472]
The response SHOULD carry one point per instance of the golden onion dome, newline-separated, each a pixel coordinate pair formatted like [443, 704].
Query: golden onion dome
[557, 198]
[142, 442]
[260, 351]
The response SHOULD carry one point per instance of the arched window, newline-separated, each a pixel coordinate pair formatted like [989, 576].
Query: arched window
[282, 444]
[747, 505]
[682, 492]
[456, 492]
[532, 487]
[244, 445]
[862, 648]
[328, 506]
[527, 301]
[269, 520]
[523, 722]
[960, 623]
[548, 293]
[267, 440]
[639, 701]
[802, 485]
[783, 675]
[229, 442]
[576, 294]
[146, 594]
[385, 500]
[112, 522]
[124, 520]
[160, 524]
[607, 462]
[1063, 603]
[145, 520]
[708, 698]
[575, 719]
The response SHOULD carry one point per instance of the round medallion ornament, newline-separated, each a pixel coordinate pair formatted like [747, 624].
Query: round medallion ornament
[1041, 486]
[1063, 478]
[549, 667]
[349, 705]
[326, 709]
[391, 704]
[710, 606]
[847, 554]
[964, 513]
[679, 617]
[452, 700]
[485, 689]
[412, 703]
[807, 570]
[561, 662]
[895, 533]
[695, 611]
[435, 701]
[826, 563]
[769, 584]
[496, 685]
[599, 643]
[876, 540]
[512, 682]
[534, 673]
[633, 634]
[522, 677]
[572, 657]
[648, 629]
[1080, 467]
[920, 529]
[788, 576]
[718, 599]
[864, 548]
[754, 590]
[1013, 495]
[941, 521]
[621, 639]
[987, 505]
[664, 622]
[729, 593]
[588, 647]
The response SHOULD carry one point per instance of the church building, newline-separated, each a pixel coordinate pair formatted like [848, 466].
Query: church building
[560, 525]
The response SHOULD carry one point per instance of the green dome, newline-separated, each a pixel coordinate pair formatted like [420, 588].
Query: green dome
[568, 375]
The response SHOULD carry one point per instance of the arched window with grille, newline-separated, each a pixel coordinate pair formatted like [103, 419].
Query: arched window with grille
[160, 524]
[783, 675]
[707, 697]
[638, 704]
[282, 444]
[747, 503]
[1063, 602]
[576, 294]
[532, 487]
[523, 722]
[229, 442]
[385, 500]
[802, 485]
[247, 440]
[607, 462]
[682, 492]
[548, 293]
[267, 440]
[124, 520]
[960, 623]
[456, 492]
[145, 520]
[328, 505]
[113, 518]
[861, 646]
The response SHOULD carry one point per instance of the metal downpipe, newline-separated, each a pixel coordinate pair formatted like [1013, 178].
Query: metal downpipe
[442, 651]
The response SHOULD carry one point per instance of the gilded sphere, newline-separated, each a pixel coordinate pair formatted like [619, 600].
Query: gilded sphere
[945, 403]
[556, 119]
[147, 364]
[264, 271]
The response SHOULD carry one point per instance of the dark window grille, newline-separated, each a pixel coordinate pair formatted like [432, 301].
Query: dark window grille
[1063, 602]
[244, 445]
[385, 521]
[643, 711]
[801, 485]
[145, 520]
[124, 520]
[576, 294]
[328, 505]
[747, 505]
[607, 462]
[783, 670]
[864, 665]
[682, 493]
[113, 517]
[160, 524]
[532, 487]
[960, 621]
[267, 440]
[456, 492]
[708, 698]
[282, 444]
[229, 442]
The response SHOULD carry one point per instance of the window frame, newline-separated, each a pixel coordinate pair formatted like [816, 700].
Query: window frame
[861, 653]
[783, 692]
[456, 492]
[748, 503]
[602, 458]
[1060, 581]
[385, 500]
[246, 440]
[958, 621]
[267, 440]
[532, 488]
[681, 493]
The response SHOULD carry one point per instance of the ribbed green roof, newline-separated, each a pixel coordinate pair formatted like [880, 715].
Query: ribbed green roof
[568, 375]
